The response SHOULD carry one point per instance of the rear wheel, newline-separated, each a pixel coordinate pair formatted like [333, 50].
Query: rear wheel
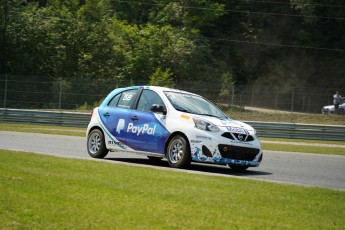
[178, 152]
[96, 144]
[238, 168]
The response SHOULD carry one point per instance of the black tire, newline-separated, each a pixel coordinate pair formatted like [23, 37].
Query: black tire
[155, 159]
[96, 144]
[178, 152]
[238, 168]
[341, 111]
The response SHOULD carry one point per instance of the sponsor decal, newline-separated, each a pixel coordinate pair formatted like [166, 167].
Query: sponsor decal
[145, 129]
[240, 137]
[241, 142]
[236, 130]
[107, 132]
[184, 116]
[139, 130]
[116, 143]
[203, 137]
[120, 125]
[195, 141]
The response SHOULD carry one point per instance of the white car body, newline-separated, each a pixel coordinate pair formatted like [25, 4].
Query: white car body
[211, 139]
[328, 109]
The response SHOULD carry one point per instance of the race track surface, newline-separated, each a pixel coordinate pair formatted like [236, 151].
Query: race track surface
[285, 167]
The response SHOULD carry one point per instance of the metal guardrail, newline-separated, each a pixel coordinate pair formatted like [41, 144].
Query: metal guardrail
[264, 129]
[58, 118]
[299, 131]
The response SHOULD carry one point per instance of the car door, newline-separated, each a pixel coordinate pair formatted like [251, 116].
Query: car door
[146, 130]
[115, 116]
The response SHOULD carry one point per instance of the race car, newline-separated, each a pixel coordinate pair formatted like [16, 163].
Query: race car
[173, 124]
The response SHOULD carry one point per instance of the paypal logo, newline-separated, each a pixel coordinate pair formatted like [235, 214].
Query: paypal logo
[120, 125]
[143, 129]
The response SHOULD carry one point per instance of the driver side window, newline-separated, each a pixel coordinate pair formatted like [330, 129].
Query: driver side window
[147, 99]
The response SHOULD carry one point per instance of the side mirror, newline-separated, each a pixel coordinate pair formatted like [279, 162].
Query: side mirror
[158, 109]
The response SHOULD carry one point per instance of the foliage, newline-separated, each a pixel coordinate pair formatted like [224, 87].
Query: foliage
[278, 44]
[227, 85]
[162, 78]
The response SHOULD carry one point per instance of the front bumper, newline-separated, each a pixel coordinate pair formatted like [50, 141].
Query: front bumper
[228, 154]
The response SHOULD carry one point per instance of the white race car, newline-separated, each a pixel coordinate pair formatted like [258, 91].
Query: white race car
[178, 125]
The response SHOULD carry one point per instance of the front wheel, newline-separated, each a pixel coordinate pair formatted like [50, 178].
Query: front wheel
[96, 144]
[178, 152]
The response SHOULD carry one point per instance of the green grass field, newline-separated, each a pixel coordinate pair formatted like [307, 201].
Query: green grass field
[44, 192]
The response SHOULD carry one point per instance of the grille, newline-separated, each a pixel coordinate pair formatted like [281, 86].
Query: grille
[229, 136]
[238, 153]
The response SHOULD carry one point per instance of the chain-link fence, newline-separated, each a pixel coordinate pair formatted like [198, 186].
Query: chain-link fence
[37, 92]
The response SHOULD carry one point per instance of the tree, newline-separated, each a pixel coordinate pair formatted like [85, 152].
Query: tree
[227, 86]
[162, 78]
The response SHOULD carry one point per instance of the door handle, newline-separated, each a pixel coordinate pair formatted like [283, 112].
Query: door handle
[134, 118]
[106, 114]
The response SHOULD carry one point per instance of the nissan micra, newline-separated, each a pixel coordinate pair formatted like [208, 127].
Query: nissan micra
[173, 124]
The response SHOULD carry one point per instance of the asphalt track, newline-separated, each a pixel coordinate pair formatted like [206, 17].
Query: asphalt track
[284, 167]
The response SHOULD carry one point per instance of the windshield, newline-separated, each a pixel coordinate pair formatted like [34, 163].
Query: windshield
[193, 104]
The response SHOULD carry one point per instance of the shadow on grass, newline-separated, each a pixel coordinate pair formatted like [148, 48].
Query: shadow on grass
[197, 167]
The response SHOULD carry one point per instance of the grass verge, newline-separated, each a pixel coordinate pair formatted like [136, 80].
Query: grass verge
[44, 192]
[302, 141]
[303, 149]
[307, 118]
[45, 129]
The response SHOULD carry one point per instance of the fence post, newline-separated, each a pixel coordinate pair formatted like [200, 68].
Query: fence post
[292, 99]
[5, 93]
[303, 103]
[252, 97]
[233, 95]
[60, 94]
[241, 100]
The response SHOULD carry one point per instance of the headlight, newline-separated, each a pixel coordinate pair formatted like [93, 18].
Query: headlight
[205, 125]
[254, 131]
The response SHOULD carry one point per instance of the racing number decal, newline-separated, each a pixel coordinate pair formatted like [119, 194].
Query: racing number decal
[127, 97]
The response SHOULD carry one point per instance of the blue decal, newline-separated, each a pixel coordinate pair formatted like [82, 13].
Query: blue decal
[146, 132]
[120, 144]
[138, 130]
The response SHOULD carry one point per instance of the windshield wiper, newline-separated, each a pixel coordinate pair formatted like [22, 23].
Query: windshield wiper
[183, 110]
[206, 114]
[202, 114]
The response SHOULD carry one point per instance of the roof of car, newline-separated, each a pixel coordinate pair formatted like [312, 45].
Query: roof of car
[160, 88]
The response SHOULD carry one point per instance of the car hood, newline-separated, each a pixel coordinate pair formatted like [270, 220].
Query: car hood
[229, 123]
[328, 106]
